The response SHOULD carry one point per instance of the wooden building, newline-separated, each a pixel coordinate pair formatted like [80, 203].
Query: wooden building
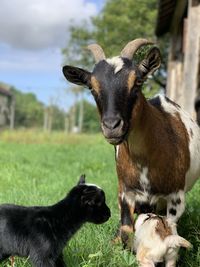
[181, 20]
[7, 107]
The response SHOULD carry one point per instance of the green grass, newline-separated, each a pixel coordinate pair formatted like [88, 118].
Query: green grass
[37, 169]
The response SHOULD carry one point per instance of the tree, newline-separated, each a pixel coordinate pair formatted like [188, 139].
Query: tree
[28, 110]
[77, 109]
[58, 118]
[90, 120]
[76, 54]
[119, 22]
[122, 21]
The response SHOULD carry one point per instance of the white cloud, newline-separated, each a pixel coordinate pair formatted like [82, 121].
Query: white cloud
[29, 60]
[40, 24]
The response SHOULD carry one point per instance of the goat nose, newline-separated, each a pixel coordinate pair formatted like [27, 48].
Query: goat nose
[112, 123]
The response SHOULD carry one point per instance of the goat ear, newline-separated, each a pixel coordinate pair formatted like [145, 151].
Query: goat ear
[151, 62]
[81, 180]
[77, 75]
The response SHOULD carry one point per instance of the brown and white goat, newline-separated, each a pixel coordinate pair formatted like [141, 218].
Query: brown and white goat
[157, 144]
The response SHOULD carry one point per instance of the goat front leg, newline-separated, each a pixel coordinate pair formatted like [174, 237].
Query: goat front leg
[143, 258]
[170, 263]
[146, 263]
[171, 258]
[175, 205]
[126, 228]
[12, 261]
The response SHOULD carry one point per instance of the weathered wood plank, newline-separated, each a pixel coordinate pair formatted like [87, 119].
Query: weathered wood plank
[191, 61]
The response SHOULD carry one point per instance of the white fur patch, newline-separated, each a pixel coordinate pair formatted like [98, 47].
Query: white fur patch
[117, 151]
[150, 247]
[144, 182]
[193, 131]
[143, 195]
[179, 207]
[130, 198]
[146, 237]
[116, 62]
[94, 185]
[139, 166]
[168, 107]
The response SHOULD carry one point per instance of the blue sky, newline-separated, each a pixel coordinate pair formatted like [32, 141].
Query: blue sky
[31, 39]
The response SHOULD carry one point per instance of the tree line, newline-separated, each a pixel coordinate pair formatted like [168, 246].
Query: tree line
[31, 113]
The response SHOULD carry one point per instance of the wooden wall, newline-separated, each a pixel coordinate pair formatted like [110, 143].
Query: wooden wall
[184, 55]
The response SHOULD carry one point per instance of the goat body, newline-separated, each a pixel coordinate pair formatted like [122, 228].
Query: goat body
[156, 240]
[42, 232]
[160, 159]
[157, 144]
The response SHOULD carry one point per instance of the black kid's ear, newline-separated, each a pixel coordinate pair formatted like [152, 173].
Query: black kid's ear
[151, 62]
[77, 75]
[81, 180]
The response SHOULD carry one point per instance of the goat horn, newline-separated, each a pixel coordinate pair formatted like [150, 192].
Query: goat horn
[132, 47]
[97, 52]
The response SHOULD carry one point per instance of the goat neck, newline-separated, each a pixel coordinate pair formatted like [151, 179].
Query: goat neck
[143, 122]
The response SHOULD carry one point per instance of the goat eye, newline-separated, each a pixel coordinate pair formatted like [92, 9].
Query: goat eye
[139, 82]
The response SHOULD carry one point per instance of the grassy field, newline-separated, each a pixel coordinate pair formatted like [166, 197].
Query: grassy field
[38, 169]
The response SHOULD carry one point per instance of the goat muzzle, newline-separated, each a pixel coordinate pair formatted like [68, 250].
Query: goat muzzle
[113, 129]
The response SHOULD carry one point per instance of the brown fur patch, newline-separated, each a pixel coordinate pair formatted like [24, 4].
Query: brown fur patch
[131, 80]
[95, 84]
[158, 141]
[127, 171]
[126, 229]
[162, 228]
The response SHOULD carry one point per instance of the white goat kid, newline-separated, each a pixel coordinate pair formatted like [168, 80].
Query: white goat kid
[156, 240]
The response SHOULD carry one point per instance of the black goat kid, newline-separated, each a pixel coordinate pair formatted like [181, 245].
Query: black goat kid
[42, 232]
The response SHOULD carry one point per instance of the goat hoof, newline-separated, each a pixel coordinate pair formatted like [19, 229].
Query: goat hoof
[127, 233]
[116, 240]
